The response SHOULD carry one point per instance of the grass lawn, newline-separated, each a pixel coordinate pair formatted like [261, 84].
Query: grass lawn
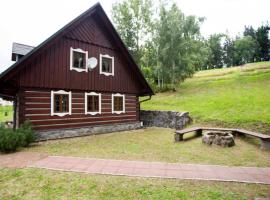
[9, 111]
[156, 144]
[44, 184]
[237, 96]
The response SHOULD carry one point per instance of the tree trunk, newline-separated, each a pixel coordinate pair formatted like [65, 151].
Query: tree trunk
[173, 68]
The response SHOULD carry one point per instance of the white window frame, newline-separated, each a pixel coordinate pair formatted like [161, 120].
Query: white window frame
[86, 103]
[52, 103]
[100, 64]
[124, 103]
[71, 59]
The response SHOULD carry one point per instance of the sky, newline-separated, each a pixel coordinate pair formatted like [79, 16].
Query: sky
[31, 22]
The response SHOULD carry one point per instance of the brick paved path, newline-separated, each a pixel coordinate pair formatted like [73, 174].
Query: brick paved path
[155, 169]
[19, 159]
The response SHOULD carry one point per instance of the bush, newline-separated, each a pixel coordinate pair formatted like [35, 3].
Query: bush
[11, 140]
[26, 133]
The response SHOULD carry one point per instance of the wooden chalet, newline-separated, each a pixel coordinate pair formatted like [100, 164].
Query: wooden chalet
[81, 76]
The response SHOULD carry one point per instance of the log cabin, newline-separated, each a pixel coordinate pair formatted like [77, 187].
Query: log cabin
[80, 80]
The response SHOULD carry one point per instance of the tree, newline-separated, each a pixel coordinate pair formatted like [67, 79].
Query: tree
[250, 31]
[133, 21]
[262, 37]
[244, 50]
[228, 51]
[177, 39]
[216, 55]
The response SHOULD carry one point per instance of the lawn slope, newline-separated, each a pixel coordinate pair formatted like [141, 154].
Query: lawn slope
[238, 96]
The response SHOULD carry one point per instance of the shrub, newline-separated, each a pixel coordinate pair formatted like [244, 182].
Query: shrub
[11, 140]
[27, 134]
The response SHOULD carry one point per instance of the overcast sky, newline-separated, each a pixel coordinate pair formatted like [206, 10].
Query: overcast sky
[31, 21]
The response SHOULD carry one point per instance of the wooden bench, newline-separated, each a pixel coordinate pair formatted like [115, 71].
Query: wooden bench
[265, 139]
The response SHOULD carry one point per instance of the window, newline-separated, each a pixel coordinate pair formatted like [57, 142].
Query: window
[78, 60]
[60, 103]
[106, 65]
[92, 103]
[118, 103]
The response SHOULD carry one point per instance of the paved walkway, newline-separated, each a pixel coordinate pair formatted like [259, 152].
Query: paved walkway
[19, 159]
[155, 169]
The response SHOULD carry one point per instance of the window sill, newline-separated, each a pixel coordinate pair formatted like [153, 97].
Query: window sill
[118, 112]
[107, 74]
[92, 113]
[60, 114]
[78, 69]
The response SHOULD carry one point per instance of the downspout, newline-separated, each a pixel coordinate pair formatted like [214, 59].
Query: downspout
[149, 98]
[14, 114]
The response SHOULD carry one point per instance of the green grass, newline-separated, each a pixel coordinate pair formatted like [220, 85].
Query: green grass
[45, 184]
[234, 96]
[156, 144]
[9, 111]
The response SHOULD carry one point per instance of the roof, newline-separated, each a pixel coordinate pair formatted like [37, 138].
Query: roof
[21, 49]
[16, 67]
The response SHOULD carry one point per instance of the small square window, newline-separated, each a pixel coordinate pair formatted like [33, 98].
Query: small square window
[92, 103]
[78, 60]
[60, 103]
[106, 65]
[118, 103]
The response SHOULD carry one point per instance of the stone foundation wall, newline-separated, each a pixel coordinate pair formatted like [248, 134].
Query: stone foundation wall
[76, 132]
[166, 119]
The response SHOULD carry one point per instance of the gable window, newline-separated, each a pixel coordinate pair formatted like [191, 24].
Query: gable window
[106, 65]
[118, 103]
[78, 60]
[92, 103]
[60, 103]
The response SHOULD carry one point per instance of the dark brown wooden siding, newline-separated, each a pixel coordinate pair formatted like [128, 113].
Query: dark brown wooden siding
[36, 107]
[51, 69]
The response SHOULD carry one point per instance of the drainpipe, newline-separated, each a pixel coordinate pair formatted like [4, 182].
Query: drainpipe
[149, 98]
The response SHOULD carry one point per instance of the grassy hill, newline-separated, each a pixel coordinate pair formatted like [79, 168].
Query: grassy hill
[3, 111]
[238, 96]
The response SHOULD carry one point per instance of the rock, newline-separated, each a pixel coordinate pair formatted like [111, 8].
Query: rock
[223, 139]
[166, 119]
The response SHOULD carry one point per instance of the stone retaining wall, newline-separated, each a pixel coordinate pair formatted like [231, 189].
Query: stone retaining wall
[166, 119]
[76, 132]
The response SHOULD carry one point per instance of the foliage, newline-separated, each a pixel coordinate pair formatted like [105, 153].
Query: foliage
[133, 20]
[169, 48]
[216, 54]
[26, 133]
[244, 50]
[177, 41]
[11, 140]
[166, 44]
[263, 39]
[228, 48]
